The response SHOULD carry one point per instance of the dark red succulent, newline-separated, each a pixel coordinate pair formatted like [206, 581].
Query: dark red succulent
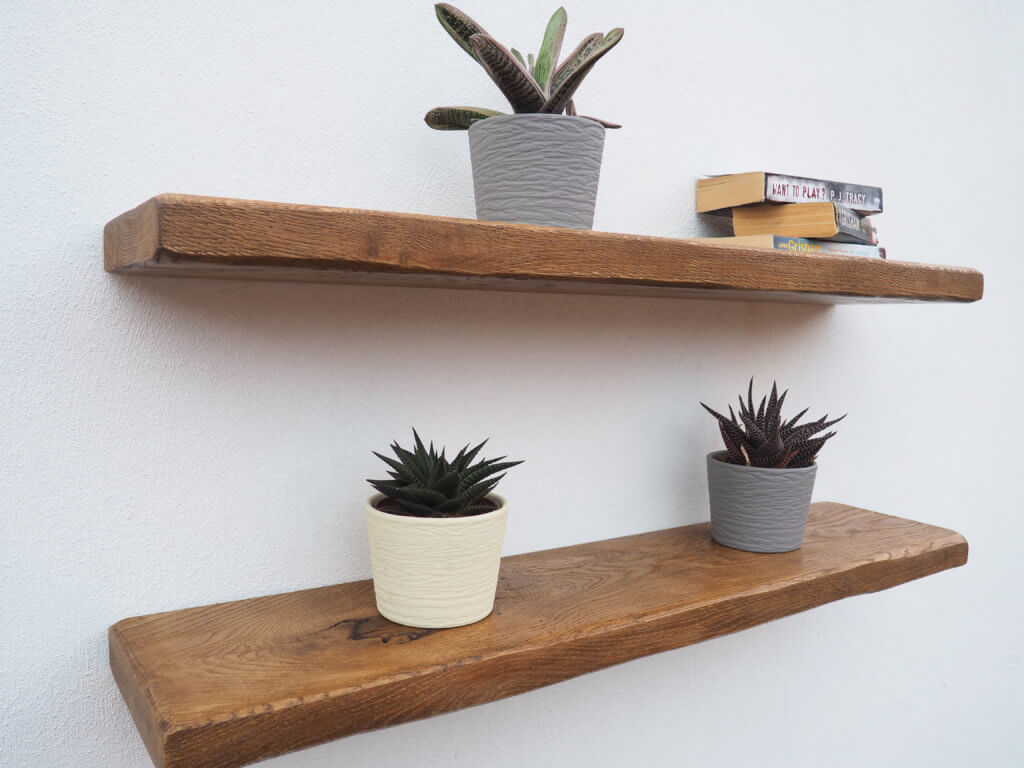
[760, 438]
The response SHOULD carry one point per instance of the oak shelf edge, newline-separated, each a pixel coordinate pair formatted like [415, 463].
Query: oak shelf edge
[193, 236]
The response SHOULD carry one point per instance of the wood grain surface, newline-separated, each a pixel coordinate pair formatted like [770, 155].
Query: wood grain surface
[225, 685]
[190, 236]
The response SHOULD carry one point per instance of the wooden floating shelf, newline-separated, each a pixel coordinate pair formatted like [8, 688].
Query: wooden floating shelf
[191, 236]
[225, 685]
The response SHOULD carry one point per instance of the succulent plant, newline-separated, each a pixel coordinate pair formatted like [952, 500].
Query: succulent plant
[532, 84]
[760, 438]
[424, 483]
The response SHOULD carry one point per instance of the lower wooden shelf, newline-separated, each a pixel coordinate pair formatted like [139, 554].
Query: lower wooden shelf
[225, 685]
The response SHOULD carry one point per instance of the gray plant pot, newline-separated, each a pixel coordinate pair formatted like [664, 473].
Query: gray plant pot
[756, 509]
[536, 169]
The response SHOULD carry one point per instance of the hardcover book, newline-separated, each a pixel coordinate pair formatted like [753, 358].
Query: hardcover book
[801, 244]
[718, 194]
[823, 221]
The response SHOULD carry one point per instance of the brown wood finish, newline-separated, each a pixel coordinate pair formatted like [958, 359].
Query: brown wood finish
[189, 236]
[224, 685]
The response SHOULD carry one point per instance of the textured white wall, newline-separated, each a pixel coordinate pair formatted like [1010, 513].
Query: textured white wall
[168, 443]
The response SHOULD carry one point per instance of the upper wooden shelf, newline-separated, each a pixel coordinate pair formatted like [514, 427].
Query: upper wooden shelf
[193, 236]
[224, 685]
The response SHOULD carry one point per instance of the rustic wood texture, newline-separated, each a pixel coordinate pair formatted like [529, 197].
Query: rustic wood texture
[228, 684]
[191, 236]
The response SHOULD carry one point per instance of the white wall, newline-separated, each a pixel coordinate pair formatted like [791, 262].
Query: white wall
[168, 443]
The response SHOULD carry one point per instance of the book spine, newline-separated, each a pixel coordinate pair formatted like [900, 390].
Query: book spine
[804, 245]
[793, 189]
[853, 227]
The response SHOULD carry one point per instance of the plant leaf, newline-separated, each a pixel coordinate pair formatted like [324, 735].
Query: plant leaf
[575, 59]
[468, 457]
[477, 509]
[448, 485]
[484, 470]
[508, 74]
[550, 48]
[412, 463]
[605, 123]
[754, 433]
[561, 95]
[457, 118]
[519, 56]
[395, 465]
[789, 425]
[460, 26]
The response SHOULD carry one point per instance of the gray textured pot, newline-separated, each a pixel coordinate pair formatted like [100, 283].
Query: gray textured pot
[536, 169]
[759, 510]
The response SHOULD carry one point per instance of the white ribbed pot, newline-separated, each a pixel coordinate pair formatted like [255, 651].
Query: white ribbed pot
[757, 509]
[433, 572]
[536, 169]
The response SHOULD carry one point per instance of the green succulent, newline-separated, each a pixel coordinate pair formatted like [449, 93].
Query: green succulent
[534, 84]
[763, 439]
[425, 483]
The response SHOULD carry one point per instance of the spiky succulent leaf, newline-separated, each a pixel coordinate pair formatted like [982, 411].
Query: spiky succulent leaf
[457, 118]
[465, 456]
[508, 74]
[774, 414]
[531, 62]
[765, 440]
[519, 56]
[474, 474]
[414, 472]
[424, 483]
[550, 48]
[789, 425]
[755, 434]
[476, 509]
[561, 95]
[806, 455]
[459, 25]
[575, 59]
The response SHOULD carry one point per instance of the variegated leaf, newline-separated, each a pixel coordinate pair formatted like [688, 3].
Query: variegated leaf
[508, 74]
[457, 118]
[575, 59]
[561, 95]
[550, 48]
[460, 26]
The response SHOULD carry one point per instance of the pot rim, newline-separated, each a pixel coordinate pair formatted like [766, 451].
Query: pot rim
[542, 115]
[714, 454]
[413, 519]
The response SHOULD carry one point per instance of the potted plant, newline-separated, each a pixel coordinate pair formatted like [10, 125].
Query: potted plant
[436, 530]
[760, 485]
[541, 164]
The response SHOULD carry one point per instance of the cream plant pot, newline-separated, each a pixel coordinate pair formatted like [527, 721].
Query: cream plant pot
[433, 572]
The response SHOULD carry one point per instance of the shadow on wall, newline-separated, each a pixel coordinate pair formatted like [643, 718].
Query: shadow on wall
[551, 375]
[278, 311]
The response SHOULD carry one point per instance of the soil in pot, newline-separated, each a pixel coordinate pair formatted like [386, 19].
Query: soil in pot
[392, 507]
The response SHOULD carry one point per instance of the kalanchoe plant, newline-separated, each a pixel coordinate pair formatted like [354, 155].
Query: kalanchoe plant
[532, 84]
[425, 483]
[760, 438]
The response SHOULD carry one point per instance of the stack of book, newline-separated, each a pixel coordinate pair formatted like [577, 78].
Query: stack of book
[772, 210]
